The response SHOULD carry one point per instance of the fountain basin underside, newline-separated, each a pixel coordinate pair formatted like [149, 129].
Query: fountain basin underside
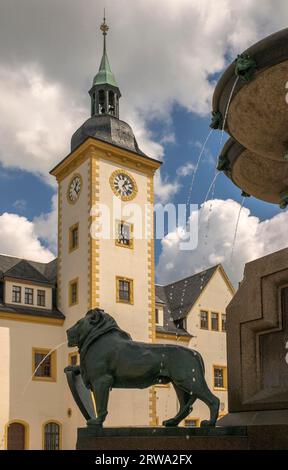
[257, 176]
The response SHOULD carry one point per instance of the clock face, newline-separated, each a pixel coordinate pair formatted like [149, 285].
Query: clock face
[74, 189]
[123, 185]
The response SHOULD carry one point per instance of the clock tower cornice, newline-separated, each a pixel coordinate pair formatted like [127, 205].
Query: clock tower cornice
[98, 149]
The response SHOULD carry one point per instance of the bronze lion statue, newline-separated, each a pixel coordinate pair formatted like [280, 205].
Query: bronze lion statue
[109, 358]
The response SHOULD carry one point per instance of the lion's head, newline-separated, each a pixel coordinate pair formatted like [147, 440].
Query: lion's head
[95, 323]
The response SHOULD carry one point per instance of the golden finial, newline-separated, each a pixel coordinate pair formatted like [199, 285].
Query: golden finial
[104, 27]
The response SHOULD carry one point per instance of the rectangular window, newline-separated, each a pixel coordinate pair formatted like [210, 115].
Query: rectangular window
[28, 296]
[41, 298]
[192, 423]
[124, 288]
[16, 294]
[124, 234]
[214, 321]
[43, 364]
[73, 359]
[74, 237]
[204, 324]
[220, 377]
[157, 316]
[181, 323]
[73, 292]
[223, 325]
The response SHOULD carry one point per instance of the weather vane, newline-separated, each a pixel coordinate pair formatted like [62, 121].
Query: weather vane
[104, 27]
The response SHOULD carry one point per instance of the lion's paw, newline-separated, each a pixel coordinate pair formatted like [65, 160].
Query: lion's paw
[169, 423]
[206, 424]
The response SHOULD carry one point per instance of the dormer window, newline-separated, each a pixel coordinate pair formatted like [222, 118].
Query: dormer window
[16, 294]
[28, 296]
[159, 316]
[41, 298]
[181, 323]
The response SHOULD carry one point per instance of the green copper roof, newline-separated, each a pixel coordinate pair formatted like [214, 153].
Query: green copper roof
[105, 75]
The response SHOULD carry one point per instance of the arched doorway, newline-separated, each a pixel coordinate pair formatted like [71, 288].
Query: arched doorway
[17, 436]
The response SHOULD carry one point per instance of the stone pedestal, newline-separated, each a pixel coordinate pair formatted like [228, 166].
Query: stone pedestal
[183, 439]
[257, 345]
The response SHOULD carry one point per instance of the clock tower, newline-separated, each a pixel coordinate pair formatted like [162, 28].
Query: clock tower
[105, 230]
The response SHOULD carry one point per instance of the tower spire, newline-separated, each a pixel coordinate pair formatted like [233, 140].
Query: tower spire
[105, 92]
[104, 28]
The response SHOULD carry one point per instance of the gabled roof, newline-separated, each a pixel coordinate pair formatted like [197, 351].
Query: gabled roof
[179, 297]
[34, 272]
[18, 268]
[23, 270]
[183, 294]
[169, 325]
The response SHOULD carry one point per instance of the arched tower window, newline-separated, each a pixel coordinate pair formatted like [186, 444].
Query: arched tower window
[17, 436]
[111, 105]
[101, 101]
[52, 436]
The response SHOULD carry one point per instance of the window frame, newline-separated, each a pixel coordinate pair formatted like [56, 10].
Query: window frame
[52, 421]
[184, 323]
[131, 232]
[53, 376]
[218, 320]
[208, 322]
[131, 298]
[71, 283]
[71, 230]
[73, 354]
[26, 435]
[225, 379]
[30, 293]
[20, 292]
[44, 292]
[197, 421]
[225, 316]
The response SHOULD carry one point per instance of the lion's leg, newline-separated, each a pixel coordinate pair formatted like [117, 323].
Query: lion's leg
[186, 401]
[213, 404]
[101, 389]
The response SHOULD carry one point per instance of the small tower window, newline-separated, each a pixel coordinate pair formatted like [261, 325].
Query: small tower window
[101, 97]
[111, 108]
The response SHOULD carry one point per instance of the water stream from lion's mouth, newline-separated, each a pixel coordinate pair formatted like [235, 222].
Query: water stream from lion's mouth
[41, 362]
[236, 229]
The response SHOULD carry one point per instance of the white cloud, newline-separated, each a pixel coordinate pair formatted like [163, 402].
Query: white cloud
[215, 239]
[18, 238]
[37, 120]
[164, 189]
[46, 226]
[185, 170]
